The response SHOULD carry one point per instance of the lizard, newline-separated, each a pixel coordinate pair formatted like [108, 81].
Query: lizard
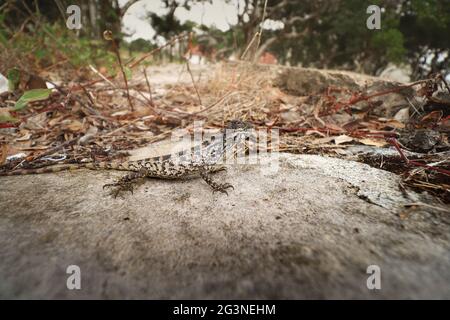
[201, 161]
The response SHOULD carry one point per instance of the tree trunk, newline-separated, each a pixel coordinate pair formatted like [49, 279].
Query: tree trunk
[93, 22]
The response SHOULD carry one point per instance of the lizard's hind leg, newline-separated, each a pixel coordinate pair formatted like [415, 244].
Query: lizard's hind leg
[221, 187]
[126, 183]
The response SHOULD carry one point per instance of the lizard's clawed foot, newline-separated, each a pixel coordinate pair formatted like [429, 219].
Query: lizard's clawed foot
[119, 187]
[126, 183]
[222, 188]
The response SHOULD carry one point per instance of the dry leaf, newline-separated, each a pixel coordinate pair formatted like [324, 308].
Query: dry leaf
[55, 121]
[120, 113]
[334, 127]
[36, 122]
[141, 126]
[373, 142]
[395, 124]
[311, 132]
[342, 139]
[341, 152]
[75, 126]
[24, 137]
[323, 140]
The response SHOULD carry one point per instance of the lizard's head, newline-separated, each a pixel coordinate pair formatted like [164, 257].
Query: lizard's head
[238, 130]
[239, 125]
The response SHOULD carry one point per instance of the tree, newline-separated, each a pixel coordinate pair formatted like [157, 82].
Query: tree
[168, 25]
[333, 34]
[140, 45]
[426, 26]
[97, 15]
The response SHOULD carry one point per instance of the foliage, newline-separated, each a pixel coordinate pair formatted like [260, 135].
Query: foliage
[333, 34]
[322, 33]
[31, 96]
[168, 25]
[141, 45]
[50, 44]
[13, 76]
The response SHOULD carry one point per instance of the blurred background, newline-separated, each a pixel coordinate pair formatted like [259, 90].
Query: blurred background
[413, 41]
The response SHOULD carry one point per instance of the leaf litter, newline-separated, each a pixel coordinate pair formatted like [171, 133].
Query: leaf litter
[90, 119]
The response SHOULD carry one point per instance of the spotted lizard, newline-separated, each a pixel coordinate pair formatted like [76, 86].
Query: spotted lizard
[201, 161]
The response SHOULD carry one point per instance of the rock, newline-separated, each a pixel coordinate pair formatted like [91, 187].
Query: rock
[397, 73]
[308, 230]
[309, 81]
[402, 115]
[420, 140]
[306, 81]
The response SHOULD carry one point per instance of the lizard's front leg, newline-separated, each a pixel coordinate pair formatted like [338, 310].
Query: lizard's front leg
[221, 187]
[126, 183]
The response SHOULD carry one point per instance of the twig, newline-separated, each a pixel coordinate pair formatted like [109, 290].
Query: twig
[54, 149]
[7, 125]
[143, 96]
[87, 95]
[169, 43]
[125, 126]
[413, 106]
[193, 82]
[109, 37]
[393, 141]
[256, 37]
[261, 27]
[418, 170]
[101, 76]
[212, 105]
[62, 91]
[358, 98]
[148, 87]
[249, 46]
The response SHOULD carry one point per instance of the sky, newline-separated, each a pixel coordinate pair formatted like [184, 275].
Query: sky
[218, 13]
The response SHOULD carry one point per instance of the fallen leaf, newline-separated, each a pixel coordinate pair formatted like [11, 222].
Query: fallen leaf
[120, 113]
[24, 137]
[5, 116]
[55, 121]
[36, 122]
[141, 126]
[323, 140]
[395, 124]
[75, 126]
[342, 139]
[334, 127]
[311, 132]
[373, 142]
[30, 96]
[341, 152]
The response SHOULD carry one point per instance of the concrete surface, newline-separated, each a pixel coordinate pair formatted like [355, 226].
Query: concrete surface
[309, 230]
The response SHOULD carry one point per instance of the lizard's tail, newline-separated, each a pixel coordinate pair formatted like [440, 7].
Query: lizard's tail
[65, 167]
